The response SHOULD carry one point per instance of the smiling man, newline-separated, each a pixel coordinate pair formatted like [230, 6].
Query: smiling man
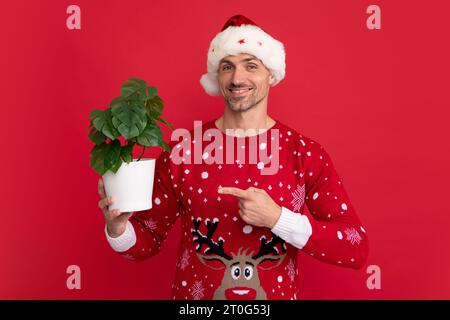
[241, 230]
[244, 82]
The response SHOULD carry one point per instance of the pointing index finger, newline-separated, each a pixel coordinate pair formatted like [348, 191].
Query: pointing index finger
[234, 192]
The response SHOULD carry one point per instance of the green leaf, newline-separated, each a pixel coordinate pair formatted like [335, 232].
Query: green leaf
[116, 166]
[130, 120]
[165, 146]
[152, 136]
[96, 136]
[152, 92]
[142, 99]
[92, 115]
[106, 157]
[118, 102]
[95, 113]
[103, 123]
[133, 85]
[112, 154]
[97, 158]
[127, 153]
[136, 99]
[137, 103]
[154, 107]
[165, 122]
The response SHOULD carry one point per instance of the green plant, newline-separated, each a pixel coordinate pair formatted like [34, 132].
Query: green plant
[133, 115]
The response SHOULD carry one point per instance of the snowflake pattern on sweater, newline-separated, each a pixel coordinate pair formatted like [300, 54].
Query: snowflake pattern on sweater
[220, 256]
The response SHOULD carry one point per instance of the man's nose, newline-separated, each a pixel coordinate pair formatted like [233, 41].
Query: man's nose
[238, 77]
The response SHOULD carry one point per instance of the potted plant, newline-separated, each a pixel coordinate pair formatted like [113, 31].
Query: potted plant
[134, 115]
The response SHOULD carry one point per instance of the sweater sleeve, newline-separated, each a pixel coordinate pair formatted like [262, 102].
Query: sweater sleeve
[293, 228]
[147, 230]
[337, 235]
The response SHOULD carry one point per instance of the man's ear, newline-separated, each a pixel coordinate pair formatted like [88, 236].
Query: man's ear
[271, 78]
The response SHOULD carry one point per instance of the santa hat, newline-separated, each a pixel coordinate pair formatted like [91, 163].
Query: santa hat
[241, 35]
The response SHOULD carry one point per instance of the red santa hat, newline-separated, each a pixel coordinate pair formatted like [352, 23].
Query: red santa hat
[241, 35]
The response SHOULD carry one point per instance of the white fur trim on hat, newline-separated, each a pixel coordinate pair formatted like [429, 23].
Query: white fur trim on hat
[255, 42]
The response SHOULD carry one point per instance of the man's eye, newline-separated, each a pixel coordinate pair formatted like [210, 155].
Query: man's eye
[252, 66]
[225, 67]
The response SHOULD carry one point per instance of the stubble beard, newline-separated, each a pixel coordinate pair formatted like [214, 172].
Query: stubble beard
[242, 104]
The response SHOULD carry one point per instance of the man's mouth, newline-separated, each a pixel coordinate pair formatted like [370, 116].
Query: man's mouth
[239, 91]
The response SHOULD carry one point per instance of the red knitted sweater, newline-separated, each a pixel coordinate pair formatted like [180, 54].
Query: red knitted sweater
[220, 256]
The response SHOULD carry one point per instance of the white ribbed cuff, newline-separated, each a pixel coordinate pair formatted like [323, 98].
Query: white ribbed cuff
[293, 227]
[123, 242]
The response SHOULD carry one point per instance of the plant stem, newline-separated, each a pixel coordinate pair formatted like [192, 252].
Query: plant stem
[141, 154]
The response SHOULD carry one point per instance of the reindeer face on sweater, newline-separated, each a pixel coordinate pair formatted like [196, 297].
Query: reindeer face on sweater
[241, 278]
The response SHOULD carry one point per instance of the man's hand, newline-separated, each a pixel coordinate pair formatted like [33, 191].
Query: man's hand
[256, 207]
[116, 221]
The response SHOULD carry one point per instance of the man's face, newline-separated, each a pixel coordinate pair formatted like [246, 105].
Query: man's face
[244, 81]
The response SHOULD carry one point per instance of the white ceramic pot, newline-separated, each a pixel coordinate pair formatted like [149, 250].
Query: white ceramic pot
[131, 185]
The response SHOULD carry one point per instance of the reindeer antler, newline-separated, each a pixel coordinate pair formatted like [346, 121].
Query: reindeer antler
[213, 247]
[268, 247]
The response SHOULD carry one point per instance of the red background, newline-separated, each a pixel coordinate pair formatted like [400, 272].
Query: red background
[377, 100]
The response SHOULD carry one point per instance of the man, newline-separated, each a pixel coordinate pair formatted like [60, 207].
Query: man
[241, 230]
